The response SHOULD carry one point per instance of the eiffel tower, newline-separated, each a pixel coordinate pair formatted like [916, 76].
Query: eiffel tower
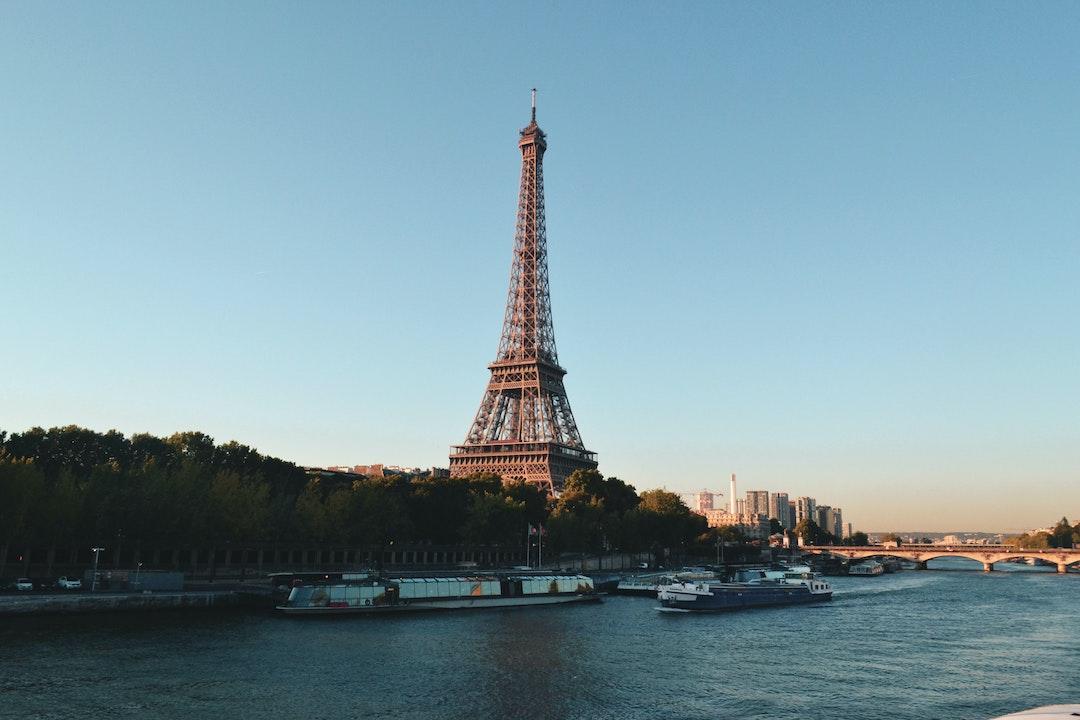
[524, 429]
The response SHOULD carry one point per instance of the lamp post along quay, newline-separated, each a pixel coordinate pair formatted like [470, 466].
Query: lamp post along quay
[93, 577]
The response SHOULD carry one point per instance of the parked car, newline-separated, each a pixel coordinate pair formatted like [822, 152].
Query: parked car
[24, 584]
[66, 583]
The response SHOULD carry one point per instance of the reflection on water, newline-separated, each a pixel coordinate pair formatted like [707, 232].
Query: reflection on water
[530, 654]
[913, 645]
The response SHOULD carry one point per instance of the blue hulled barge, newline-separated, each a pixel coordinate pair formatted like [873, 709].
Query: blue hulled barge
[793, 588]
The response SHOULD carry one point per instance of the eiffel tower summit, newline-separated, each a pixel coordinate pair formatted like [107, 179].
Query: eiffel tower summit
[524, 429]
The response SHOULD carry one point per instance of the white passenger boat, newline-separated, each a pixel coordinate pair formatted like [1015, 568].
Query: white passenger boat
[362, 593]
[868, 568]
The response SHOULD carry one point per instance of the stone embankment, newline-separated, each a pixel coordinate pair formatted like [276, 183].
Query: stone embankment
[54, 604]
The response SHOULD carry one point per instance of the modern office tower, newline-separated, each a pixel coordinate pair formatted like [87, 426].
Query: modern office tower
[757, 501]
[778, 508]
[805, 509]
[849, 533]
[740, 507]
[831, 520]
[524, 429]
[791, 513]
[822, 517]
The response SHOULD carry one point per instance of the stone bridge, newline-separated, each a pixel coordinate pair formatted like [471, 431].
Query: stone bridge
[919, 554]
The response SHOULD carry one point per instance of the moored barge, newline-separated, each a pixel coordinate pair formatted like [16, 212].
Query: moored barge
[362, 593]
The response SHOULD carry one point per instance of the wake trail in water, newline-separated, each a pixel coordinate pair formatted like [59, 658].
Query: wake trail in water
[899, 586]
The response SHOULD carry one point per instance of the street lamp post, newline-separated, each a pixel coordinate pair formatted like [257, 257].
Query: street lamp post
[138, 570]
[528, 545]
[93, 578]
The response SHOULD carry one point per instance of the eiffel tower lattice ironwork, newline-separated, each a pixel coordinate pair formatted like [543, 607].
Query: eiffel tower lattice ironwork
[524, 429]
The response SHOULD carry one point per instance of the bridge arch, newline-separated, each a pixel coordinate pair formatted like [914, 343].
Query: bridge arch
[919, 557]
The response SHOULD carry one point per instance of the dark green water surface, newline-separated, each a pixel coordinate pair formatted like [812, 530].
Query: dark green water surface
[909, 646]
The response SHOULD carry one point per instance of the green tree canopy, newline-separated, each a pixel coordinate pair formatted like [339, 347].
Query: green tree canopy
[858, 538]
[811, 534]
[1062, 535]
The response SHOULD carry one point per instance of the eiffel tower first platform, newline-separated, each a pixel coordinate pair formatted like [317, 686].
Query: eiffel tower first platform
[524, 429]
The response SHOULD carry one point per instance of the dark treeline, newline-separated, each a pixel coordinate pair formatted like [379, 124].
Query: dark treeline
[70, 486]
[812, 534]
[1061, 535]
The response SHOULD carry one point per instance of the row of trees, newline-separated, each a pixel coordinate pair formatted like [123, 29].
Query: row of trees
[1061, 535]
[69, 486]
[811, 534]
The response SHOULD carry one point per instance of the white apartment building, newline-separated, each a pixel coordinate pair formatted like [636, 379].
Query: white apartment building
[754, 525]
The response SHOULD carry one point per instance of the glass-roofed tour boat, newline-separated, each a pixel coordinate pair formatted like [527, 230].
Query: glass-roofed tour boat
[349, 593]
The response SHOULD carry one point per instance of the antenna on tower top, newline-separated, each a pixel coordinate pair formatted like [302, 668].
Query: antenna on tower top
[534, 104]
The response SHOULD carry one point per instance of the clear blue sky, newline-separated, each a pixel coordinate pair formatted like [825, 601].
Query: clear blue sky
[834, 248]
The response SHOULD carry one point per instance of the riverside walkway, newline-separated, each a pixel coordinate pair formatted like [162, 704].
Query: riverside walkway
[64, 603]
[920, 554]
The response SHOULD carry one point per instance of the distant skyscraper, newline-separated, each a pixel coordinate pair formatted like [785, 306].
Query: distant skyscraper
[740, 507]
[757, 501]
[832, 520]
[805, 509]
[778, 508]
[731, 497]
[822, 517]
[774, 500]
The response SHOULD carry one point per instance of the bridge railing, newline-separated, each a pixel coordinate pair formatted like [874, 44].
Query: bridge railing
[911, 547]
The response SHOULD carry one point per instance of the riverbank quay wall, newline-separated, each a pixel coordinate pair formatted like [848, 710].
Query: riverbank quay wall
[13, 605]
[1062, 558]
[209, 561]
[251, 561]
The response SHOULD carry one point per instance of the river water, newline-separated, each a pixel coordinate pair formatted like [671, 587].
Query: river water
[929, 645]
